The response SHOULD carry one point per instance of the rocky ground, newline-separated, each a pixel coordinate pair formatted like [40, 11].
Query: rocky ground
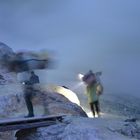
[12, 105]
[119, 120]
[116, 124]
[79, 128]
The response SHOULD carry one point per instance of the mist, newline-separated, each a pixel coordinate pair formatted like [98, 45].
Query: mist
[83, 34]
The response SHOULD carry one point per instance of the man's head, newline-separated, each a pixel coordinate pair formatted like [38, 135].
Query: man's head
[32, 72]
[89, 78]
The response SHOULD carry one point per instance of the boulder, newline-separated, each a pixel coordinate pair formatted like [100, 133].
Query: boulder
[12, 105]
[74, 128]
[6, 53]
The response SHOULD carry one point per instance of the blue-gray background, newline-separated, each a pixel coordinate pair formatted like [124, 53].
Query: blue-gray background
[102, 35]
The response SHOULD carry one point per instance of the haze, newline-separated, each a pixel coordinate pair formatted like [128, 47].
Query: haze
[83, 34]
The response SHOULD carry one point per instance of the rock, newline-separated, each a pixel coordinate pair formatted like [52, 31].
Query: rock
[55, 103]
[11, 100]
[22, 134]
[61, 104]
[5, 50]
[6, 53]
[131, 120]
[12, 105]
[74, 128]
[7, 135]
[114, 104]
[131, 129]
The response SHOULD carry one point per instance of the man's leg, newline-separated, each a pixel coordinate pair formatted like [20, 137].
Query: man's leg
[29, 105]
[97, 107]
[92, 109]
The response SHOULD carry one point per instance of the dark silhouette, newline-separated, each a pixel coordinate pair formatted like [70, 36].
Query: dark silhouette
[34, 78]
[29, 93]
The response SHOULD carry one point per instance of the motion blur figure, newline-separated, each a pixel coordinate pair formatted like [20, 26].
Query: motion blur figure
[26, 61]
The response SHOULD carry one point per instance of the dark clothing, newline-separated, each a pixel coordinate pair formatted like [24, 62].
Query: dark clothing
[34, 79]
[95, 106]
[28, 95]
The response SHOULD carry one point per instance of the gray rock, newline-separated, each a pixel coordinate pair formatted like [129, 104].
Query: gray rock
[74, 128]
[131, 129]
[57, 103]
[12, 105]
[6, 53]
